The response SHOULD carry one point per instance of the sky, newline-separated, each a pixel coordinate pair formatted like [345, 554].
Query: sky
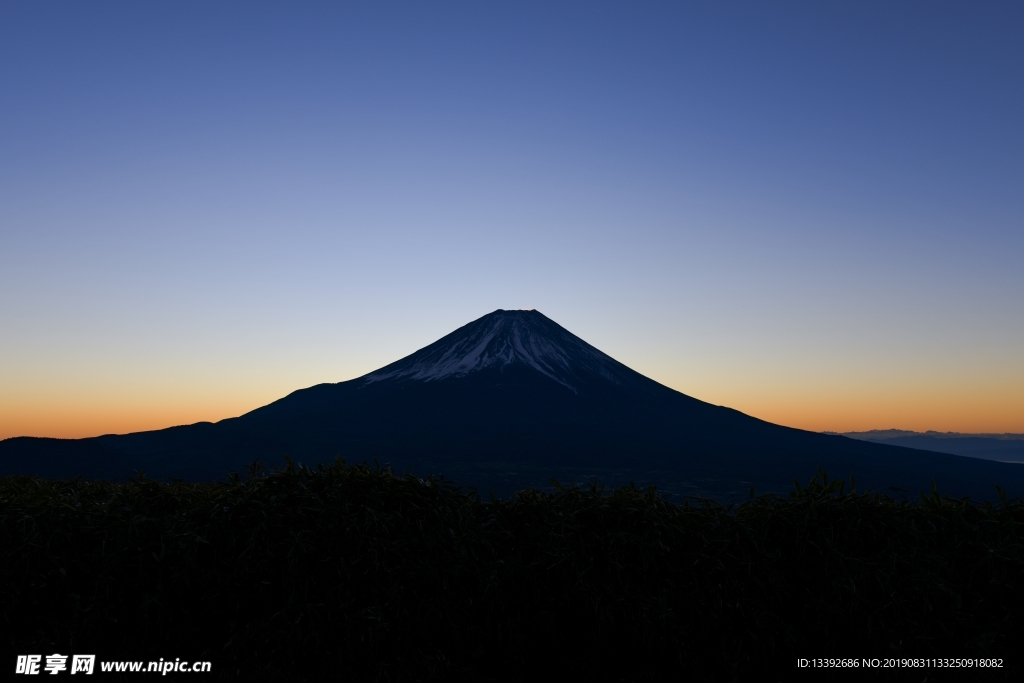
[810, 212]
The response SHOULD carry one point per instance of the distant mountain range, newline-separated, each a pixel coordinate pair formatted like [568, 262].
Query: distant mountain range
[508, 401]
[1000, 447]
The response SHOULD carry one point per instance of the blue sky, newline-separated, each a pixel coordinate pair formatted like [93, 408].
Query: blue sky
[810, 213]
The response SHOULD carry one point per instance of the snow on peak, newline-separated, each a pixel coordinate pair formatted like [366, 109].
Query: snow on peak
[503, 338]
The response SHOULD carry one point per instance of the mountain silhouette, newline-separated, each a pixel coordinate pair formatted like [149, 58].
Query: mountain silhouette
[507, 401]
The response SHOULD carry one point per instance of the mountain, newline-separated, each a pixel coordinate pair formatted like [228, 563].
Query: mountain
[505, 402]
[1001, 447]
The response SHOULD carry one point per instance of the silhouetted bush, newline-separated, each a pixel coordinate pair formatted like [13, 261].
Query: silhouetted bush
[350, 573]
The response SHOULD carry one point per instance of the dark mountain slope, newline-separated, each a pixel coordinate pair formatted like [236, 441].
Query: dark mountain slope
[989, 448]
[510, 400]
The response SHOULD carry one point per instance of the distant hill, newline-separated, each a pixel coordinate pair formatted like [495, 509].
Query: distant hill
[508, 401]
[1000, 447]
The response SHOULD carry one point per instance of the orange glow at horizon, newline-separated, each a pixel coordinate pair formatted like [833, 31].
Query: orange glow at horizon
[980, 411]
[965, 409]
[77, 421]
[982, 416]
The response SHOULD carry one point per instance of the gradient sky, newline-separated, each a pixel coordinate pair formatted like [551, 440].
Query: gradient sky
[812, 214]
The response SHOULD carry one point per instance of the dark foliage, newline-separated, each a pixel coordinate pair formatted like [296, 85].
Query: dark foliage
[350, 573]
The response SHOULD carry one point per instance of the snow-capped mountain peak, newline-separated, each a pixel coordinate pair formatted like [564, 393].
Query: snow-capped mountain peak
[502, 339]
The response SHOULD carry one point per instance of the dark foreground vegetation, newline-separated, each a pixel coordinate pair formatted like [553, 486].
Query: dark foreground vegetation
[350, 573]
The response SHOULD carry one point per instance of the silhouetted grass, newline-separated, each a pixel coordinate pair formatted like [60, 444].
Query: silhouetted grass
[350, 573]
